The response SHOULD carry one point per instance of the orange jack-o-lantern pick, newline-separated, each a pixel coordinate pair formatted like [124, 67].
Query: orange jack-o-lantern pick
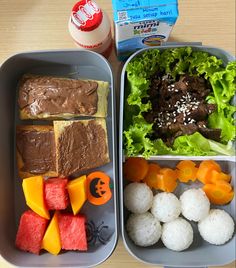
[98, 188]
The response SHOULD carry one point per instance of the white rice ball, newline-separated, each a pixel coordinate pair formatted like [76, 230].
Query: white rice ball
[143, 229]
[195, 205]
[138, 197]
[166, 207]
[217, 228]
[177, 235]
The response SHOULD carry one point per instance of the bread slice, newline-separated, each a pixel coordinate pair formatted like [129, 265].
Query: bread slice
[80, 145]
[45, 97]
[31, 140]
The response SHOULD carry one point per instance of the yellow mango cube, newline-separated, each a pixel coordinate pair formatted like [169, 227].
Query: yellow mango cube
[77, 193]
[33, 188]
[51, 240]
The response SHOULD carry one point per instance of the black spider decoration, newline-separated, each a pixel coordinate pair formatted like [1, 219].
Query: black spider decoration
[94, 233]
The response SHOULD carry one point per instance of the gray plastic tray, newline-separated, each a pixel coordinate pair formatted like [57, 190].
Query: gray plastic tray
[66, 63]
[201, 253]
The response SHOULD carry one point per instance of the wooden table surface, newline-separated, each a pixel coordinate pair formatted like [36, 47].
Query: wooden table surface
[27, 25]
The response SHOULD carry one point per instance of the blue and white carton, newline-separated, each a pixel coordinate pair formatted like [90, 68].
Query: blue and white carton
[142, 23]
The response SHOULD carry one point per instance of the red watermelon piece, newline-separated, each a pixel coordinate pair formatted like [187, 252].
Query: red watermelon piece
[56, 195]
[72, 232]
[30, 232]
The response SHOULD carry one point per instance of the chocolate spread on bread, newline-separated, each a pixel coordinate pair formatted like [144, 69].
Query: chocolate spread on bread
[51, 95]
[81, 147]
[37, 149]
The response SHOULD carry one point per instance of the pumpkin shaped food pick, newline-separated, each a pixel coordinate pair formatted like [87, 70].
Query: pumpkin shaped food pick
[98, 188]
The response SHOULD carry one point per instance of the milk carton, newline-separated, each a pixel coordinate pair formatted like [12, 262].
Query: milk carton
[142, 23]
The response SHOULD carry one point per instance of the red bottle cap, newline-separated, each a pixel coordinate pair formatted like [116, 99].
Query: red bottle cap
[86, 15]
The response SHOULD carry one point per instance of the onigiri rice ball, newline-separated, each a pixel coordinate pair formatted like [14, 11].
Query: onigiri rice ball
[166, 207]
[195, 205]
[138, 197]
[143, 229]
[177, 235]
[217, 228]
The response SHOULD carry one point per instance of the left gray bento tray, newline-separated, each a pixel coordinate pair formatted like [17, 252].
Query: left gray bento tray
[65, 63]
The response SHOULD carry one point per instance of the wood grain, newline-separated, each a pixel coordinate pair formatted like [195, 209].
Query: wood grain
[27, 25]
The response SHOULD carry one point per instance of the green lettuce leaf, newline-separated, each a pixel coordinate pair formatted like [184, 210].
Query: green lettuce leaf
[137, 130]
[201, 63]
[224, 86]
[138, 73]
[219, 120]
[175, 61]
[162, 149]
[144, 65]
[136, 140]
[224, 89]
[183, 60]
[220, 148]
[198, 145]
[194, 144]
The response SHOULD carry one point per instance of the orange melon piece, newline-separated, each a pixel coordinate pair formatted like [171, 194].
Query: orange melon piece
[77, 193]
[51, 240]
[33, 188]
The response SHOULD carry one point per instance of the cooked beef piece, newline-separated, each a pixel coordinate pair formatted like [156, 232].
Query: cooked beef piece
[211, 133]
[178, 108]
[153, 91]
[175, 129]
[149, 117]
[211, 108]
[197, 84]
[200, 113]
[188, 129]
[181, 85]
[180, 118]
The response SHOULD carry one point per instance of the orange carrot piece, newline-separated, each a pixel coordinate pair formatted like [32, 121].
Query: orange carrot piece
[204, 170]
[216, 176]
[224, 185]
[135, 169]
[151, 177]
[186, 171]
[167, 180]
[217, 195]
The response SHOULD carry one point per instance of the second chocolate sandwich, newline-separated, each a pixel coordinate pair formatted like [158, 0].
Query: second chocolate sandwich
[64, 149]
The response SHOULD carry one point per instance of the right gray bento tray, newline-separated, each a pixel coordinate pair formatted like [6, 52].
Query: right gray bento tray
[200, 254]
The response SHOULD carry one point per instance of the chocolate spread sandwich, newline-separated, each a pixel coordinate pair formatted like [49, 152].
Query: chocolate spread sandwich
[53, 97]
[80, 145]
[35, 151]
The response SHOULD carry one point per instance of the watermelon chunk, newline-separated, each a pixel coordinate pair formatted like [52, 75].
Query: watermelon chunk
[30, 232]
[72, 231]
[56, 195]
